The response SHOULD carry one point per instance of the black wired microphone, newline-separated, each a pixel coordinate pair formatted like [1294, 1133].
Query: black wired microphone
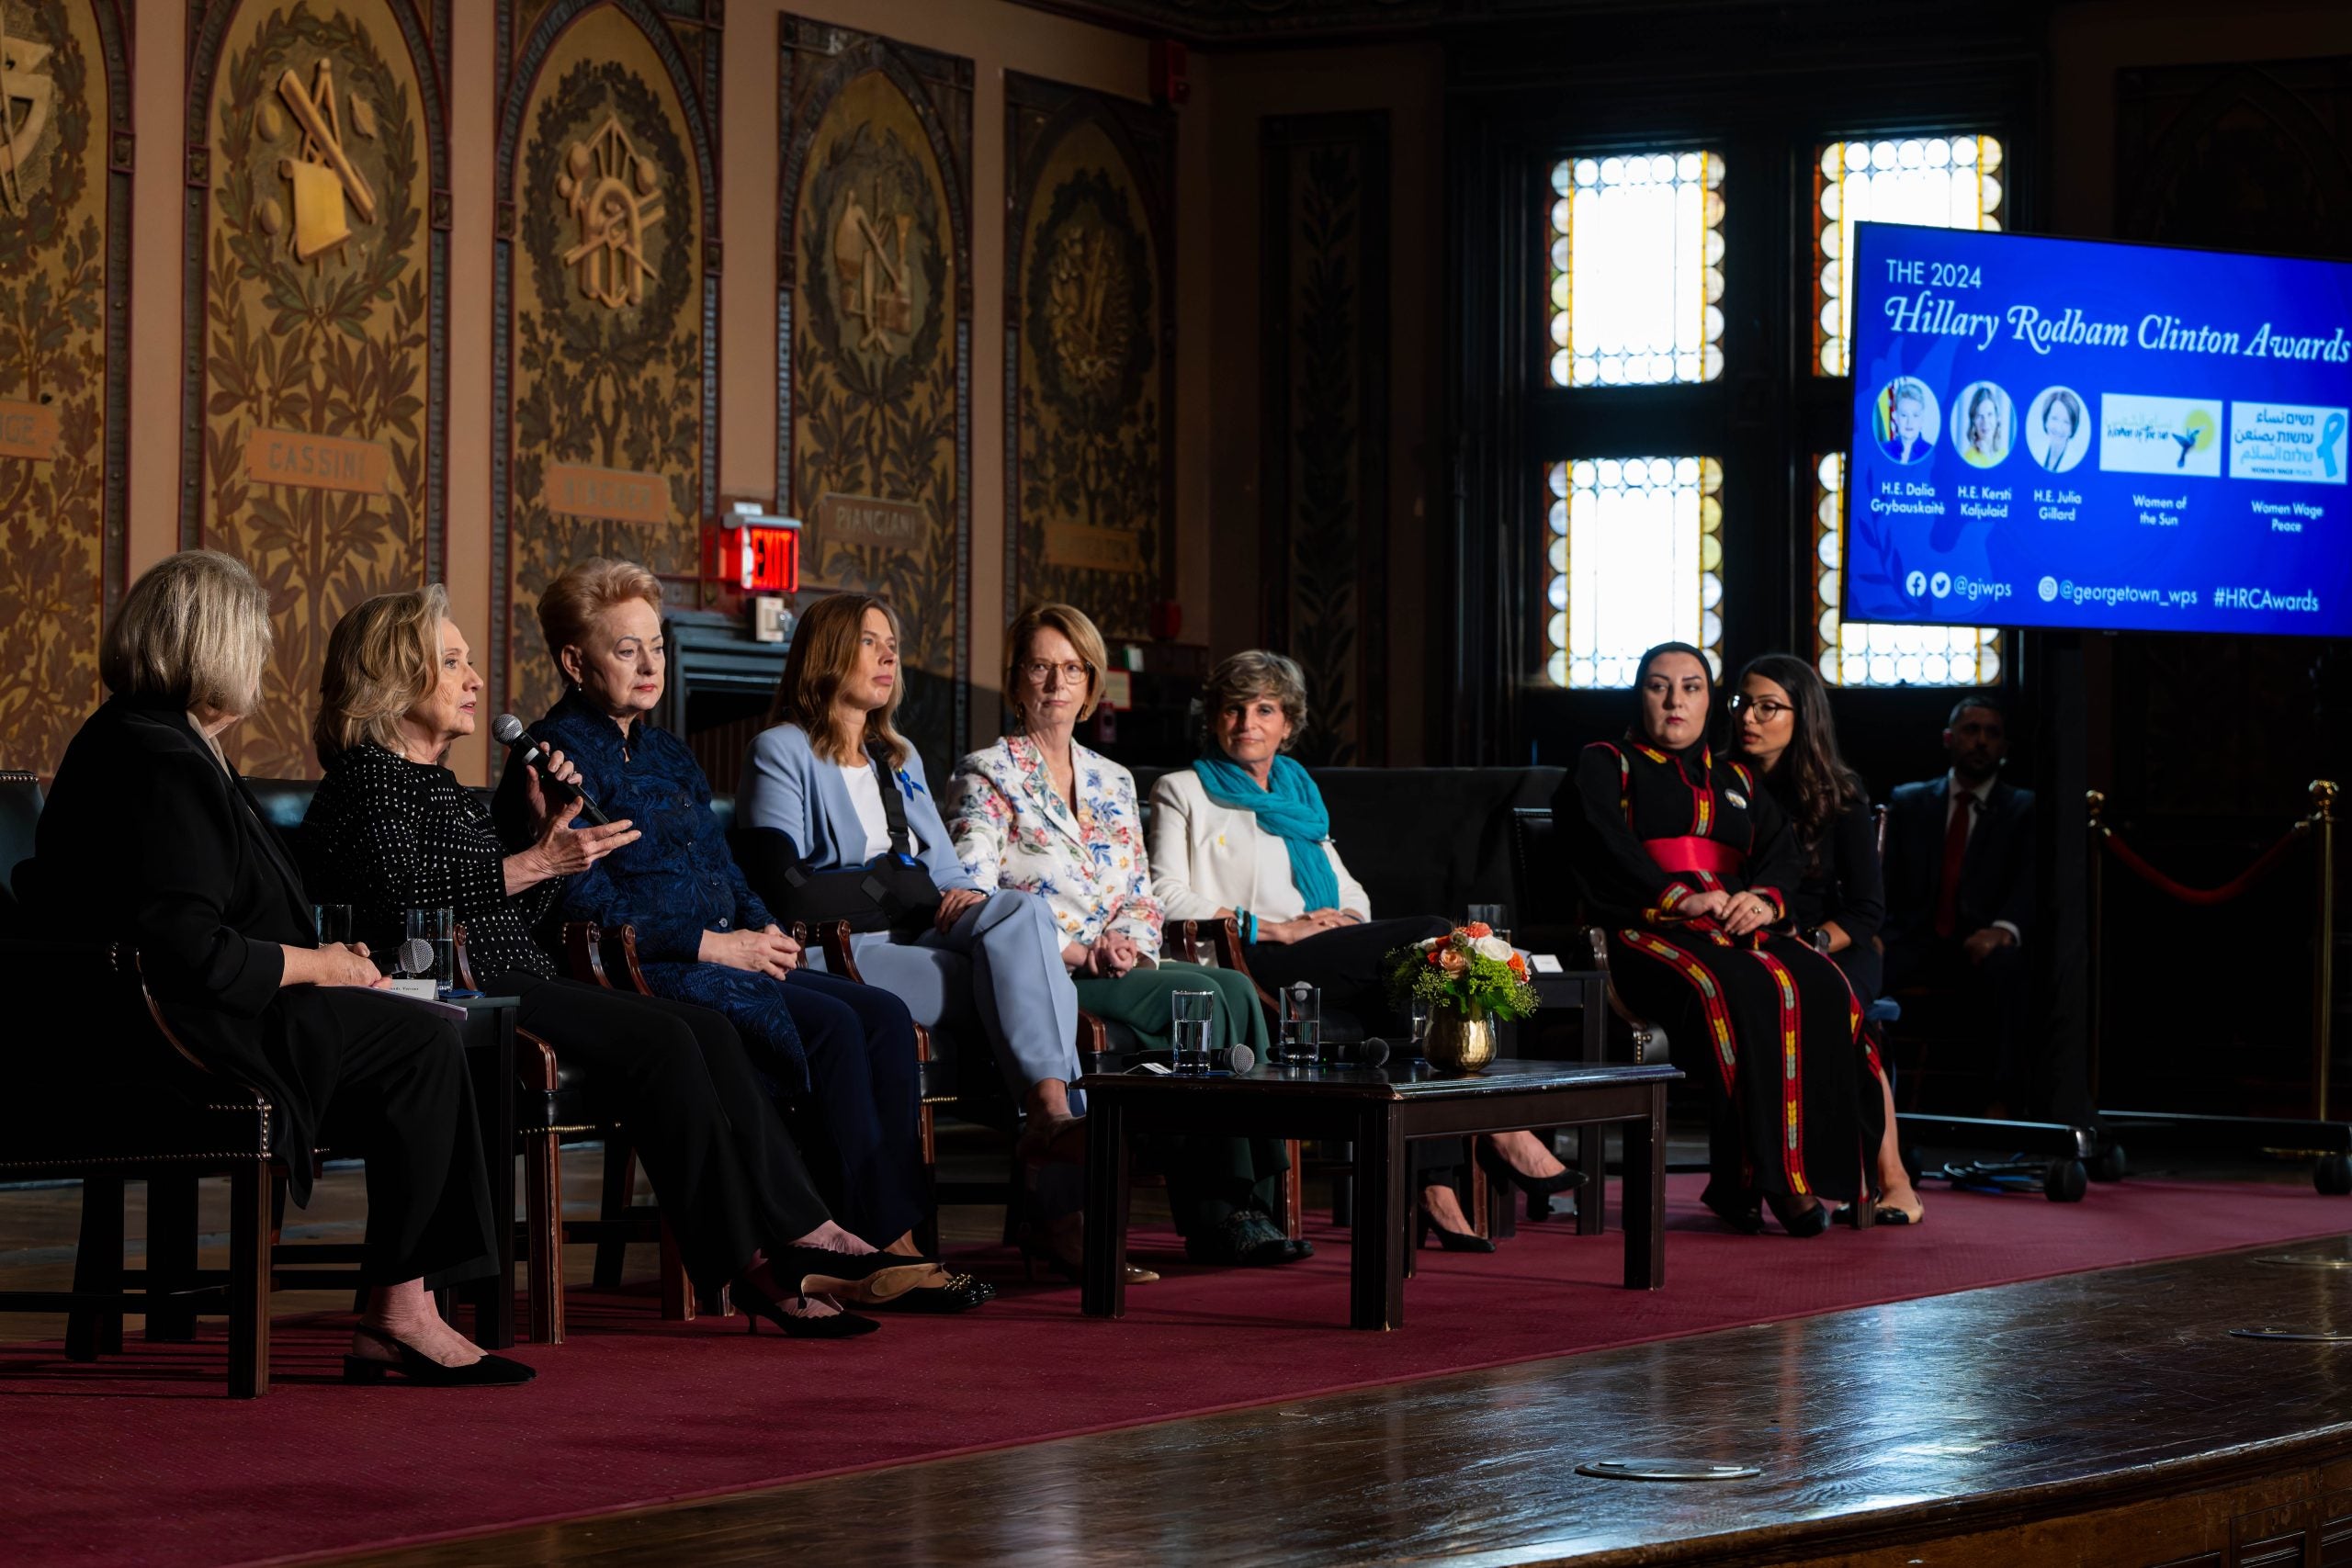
[508, 731]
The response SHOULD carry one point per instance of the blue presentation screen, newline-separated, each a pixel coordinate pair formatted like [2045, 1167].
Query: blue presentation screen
[2060, 433]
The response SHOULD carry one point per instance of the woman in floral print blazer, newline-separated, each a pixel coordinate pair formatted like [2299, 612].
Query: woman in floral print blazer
[1039, 813]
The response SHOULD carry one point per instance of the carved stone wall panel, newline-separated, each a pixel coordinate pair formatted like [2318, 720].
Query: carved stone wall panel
[1090, 360]
[64, 194]
[1324, 461]
[874, 345]
[605, 362]
[317, 319]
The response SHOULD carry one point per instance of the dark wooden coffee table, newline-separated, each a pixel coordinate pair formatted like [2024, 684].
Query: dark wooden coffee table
[1380, 1109]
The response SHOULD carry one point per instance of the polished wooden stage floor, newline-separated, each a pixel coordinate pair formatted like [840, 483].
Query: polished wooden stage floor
[2102, 1419]
[2105, 1419]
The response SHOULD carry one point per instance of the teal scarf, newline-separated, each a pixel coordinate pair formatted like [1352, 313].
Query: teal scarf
[1291, 808]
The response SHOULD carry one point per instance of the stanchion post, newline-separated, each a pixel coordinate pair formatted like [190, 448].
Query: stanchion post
[2097, 802]
[2324, 967]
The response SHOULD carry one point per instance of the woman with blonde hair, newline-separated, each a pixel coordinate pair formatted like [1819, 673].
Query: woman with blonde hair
[1040, 813]
[703, 936]
[391, 829]
[149, 838]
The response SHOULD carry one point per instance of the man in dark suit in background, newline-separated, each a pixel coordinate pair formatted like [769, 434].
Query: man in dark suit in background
[1960, 893]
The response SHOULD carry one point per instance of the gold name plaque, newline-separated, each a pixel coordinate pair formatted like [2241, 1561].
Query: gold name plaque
[618, 495]
[1094, 549]
[27, 430]
[870, 521]
[317, 462]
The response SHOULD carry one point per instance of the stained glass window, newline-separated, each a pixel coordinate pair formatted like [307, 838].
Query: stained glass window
[1638, 269]
[1943, 181]
[1633, 556]
[1868, 653]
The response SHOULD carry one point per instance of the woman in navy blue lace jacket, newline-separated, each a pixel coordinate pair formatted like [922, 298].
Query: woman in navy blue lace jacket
[702, 935]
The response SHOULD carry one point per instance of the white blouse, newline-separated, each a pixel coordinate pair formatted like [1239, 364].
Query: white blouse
[1207, 857]
[866, 794]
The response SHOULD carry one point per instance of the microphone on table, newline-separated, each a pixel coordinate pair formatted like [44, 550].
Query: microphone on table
[1371, 1052]
[508, 731]
[1240, 1058]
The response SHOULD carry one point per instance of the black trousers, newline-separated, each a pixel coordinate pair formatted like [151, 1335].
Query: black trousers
[860, 1042]
[1345, 964]
[676, 1075]
[388, 1082]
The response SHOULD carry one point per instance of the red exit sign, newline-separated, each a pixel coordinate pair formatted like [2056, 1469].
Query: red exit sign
[757, 553]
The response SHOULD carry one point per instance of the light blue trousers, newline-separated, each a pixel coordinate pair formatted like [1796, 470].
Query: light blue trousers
[1000, 966]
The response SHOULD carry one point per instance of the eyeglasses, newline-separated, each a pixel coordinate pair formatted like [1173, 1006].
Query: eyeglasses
[1765, 708]
[1073, 674]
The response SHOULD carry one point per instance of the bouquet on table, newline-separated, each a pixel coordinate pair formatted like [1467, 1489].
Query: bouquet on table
[1467, 979]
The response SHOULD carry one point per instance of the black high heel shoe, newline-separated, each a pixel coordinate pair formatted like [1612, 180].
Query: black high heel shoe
[490, 1371]
[1747, 1218]
[960, 1293]
[1800, 1222]
[1450, 1241]
[1539, 1190]
[842, 1325]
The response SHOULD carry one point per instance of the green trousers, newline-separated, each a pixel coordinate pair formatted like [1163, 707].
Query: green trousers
[1209, 1177]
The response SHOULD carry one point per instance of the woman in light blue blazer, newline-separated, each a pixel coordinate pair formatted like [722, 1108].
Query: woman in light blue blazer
[816, 775]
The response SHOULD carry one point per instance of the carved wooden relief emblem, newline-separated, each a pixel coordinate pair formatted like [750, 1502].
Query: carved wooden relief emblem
[319, 343]
[875, 405]
[27, 97]
[609, 293]
[64, 215]
[614, 196]
[1089, 493]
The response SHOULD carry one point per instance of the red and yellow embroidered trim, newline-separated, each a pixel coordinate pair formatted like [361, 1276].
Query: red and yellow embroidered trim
[1710, 998]
[1791, 1073]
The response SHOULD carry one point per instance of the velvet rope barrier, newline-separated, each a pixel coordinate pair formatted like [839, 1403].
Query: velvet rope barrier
[2236, 887]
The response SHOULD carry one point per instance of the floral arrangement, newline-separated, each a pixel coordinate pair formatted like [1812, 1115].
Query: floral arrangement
[1470, 970]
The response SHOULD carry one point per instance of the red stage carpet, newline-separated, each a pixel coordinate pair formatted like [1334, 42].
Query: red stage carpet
[143, 1459]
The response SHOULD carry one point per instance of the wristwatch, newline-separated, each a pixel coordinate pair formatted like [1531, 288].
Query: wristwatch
[1817, 938]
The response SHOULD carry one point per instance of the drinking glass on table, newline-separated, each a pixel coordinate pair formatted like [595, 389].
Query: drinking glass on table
[1193, 1013]
[1489, 915]
[1420, 1027]
[331, 921]
[438, 929]
[1301, 1025]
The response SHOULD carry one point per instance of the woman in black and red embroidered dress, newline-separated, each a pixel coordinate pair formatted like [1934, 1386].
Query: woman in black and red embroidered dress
[1689, 867]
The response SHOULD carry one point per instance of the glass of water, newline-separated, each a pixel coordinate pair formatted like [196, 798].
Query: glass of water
[1195, 1014]
[438, 929]
[332, 922]
[1490, 915]
[1301, 1025]
[1420, 1027]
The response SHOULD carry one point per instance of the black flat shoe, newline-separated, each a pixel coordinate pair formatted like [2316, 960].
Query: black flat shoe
[490, 1371]
[1539, 1189]
[1748, 1219]
[842, 1325]
[1450, 1241]
[1800, 1222]
[961, 1293]
[1246, 1240]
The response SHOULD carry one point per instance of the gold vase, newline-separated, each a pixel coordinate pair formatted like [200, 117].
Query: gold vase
[1459, 1044]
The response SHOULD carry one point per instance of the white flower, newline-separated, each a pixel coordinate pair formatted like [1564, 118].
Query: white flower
[1433, 943]
[1492, 947]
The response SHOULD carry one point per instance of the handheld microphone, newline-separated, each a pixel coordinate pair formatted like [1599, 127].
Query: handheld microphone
[508, 731]
[1371, 1052]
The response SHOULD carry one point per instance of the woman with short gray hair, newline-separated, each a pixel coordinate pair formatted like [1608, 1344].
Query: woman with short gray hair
[1243, 834]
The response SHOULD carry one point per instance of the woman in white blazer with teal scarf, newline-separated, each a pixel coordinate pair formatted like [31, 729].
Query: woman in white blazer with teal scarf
[816, 775]
[1243, 834]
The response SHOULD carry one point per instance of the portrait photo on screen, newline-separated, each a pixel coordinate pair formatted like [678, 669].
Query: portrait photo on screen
[1982, 424]
[1908, 420]
[2057, 431]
